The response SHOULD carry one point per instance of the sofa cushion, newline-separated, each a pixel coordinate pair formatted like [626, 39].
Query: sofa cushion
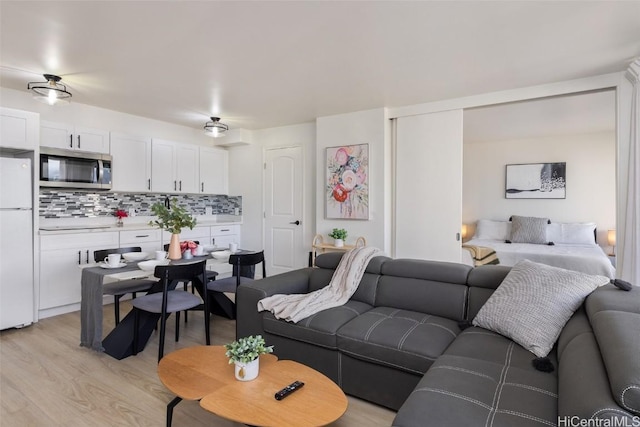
[534, 302]
[403, 339]
[482, 379]
[320, 328]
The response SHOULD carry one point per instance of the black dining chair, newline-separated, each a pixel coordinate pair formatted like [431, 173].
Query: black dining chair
[243, 272]
[122, 287]
[170, 300]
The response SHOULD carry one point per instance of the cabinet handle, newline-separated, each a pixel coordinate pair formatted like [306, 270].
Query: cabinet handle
[71, 141]
[149, 184]
[225, 229]
[174, 185]
[87, 256]
[142, 235]
[202, 187]
[180, 187]
[78, 141]
[79, 258]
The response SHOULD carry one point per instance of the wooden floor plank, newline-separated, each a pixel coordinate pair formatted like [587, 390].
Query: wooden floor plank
[47, 379]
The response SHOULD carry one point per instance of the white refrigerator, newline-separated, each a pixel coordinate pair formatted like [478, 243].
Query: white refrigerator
[16, 243]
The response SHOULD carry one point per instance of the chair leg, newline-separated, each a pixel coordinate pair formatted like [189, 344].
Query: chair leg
[163, 328]
[170, 407]
[136, 324]
[178, 325]
[116, 307]
[186, 319]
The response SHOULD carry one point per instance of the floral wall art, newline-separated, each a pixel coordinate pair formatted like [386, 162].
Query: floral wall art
[347, 191]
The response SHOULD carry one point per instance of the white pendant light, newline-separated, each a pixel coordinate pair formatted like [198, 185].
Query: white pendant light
[214, 128]
[50, 92]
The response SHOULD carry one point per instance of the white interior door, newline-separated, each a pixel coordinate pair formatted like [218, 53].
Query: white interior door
[284, 246]
[428, 188]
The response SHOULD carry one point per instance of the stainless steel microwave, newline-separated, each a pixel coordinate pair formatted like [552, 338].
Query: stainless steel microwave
[74, 169]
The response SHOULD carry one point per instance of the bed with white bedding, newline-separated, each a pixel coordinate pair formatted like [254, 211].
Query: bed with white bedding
[574, 247]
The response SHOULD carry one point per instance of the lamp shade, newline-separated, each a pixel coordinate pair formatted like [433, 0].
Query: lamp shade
[464, 231]
[611, 237]
[51, 92]
[215, 128]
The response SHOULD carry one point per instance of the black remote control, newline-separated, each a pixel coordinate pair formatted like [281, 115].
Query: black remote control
[288, 390]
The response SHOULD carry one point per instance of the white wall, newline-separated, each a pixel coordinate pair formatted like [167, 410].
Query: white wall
[101, 118]
[591, 179]
[246, 178]
[363, 127]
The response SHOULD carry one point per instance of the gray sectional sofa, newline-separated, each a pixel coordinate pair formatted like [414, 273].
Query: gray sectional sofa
[403, 341]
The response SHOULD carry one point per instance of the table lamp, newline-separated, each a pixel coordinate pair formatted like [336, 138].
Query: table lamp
[611, 238]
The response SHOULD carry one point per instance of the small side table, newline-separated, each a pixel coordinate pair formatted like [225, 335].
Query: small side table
[318, 245]
[612, 258]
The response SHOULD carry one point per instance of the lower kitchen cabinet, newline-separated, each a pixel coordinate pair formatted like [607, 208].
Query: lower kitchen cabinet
[148, 240]
[62, 257]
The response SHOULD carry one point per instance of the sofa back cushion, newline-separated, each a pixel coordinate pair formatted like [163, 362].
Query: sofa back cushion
[326, 265]
[431, 287]
[482, 281]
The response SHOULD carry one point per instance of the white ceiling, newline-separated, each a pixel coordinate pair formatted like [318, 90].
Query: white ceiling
[262, 64]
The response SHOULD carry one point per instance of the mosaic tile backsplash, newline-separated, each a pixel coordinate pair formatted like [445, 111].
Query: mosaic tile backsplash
[82, 204]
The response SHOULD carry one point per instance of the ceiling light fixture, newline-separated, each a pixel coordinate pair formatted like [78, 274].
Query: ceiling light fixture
[214, 128]
[50, 92]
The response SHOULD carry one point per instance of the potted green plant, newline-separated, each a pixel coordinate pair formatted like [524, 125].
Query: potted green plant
[339, 235]
[245, 354]
[172, 218]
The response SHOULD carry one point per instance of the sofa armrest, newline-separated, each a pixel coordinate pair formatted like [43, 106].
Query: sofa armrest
[248, 319]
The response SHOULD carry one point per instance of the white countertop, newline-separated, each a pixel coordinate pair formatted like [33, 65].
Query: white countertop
[101, 225]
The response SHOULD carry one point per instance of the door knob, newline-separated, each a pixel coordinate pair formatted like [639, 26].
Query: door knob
[295, 222]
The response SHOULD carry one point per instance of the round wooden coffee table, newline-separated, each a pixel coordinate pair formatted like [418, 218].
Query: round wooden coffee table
[203, 373]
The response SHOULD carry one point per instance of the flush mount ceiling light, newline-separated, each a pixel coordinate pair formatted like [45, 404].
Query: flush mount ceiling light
[50, 92]
[214, 128]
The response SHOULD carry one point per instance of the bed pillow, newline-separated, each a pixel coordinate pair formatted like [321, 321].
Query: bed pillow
[572, 233]
[492, 230]
[529, 229]
[534, 302]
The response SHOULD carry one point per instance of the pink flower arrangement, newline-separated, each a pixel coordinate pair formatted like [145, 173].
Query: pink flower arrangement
[188, 245]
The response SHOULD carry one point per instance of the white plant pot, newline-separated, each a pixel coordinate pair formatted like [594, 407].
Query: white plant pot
[247, 371]
[338, 243]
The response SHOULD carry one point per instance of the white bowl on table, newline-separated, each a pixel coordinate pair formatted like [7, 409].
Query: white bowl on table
[135, 256]
[221, 255]
[152, 264]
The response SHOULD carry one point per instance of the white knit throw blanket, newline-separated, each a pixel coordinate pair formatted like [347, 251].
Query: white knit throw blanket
[344, 283]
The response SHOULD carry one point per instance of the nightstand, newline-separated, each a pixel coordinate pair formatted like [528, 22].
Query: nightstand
[612, 258]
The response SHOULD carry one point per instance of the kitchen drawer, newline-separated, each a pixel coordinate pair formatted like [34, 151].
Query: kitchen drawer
[104, 239]
[222, 230]
[132, 237]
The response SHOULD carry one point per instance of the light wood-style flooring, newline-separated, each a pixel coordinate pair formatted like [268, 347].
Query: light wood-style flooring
[47, 379]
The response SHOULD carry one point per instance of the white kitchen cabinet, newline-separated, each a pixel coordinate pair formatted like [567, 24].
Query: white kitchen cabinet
[62, 257]
[214, 171]
[174, 167]
[187, 168]
[148, 240]
[131, 167]
[18, 129]
[222, 235]
[70, 137]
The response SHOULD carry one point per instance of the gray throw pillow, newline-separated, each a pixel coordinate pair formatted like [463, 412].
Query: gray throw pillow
[528, 229]
[534, 302]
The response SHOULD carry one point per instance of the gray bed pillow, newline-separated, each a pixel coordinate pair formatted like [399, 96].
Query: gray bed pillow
[534, 302]
[528, 229]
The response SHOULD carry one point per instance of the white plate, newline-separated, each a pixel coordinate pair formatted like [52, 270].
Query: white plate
[135, 256]
[105, 265]
[151, 264]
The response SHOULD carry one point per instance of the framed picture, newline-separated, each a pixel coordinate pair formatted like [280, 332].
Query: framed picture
[536, 181]
[347, 184]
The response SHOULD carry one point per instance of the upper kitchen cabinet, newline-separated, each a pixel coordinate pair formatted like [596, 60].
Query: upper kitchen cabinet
[174, 167]
[18, 129]
[131, 166]
[70, 137]
[214, 171]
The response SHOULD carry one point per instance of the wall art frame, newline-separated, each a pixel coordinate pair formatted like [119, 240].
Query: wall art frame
[347, 182]
[536, 181]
